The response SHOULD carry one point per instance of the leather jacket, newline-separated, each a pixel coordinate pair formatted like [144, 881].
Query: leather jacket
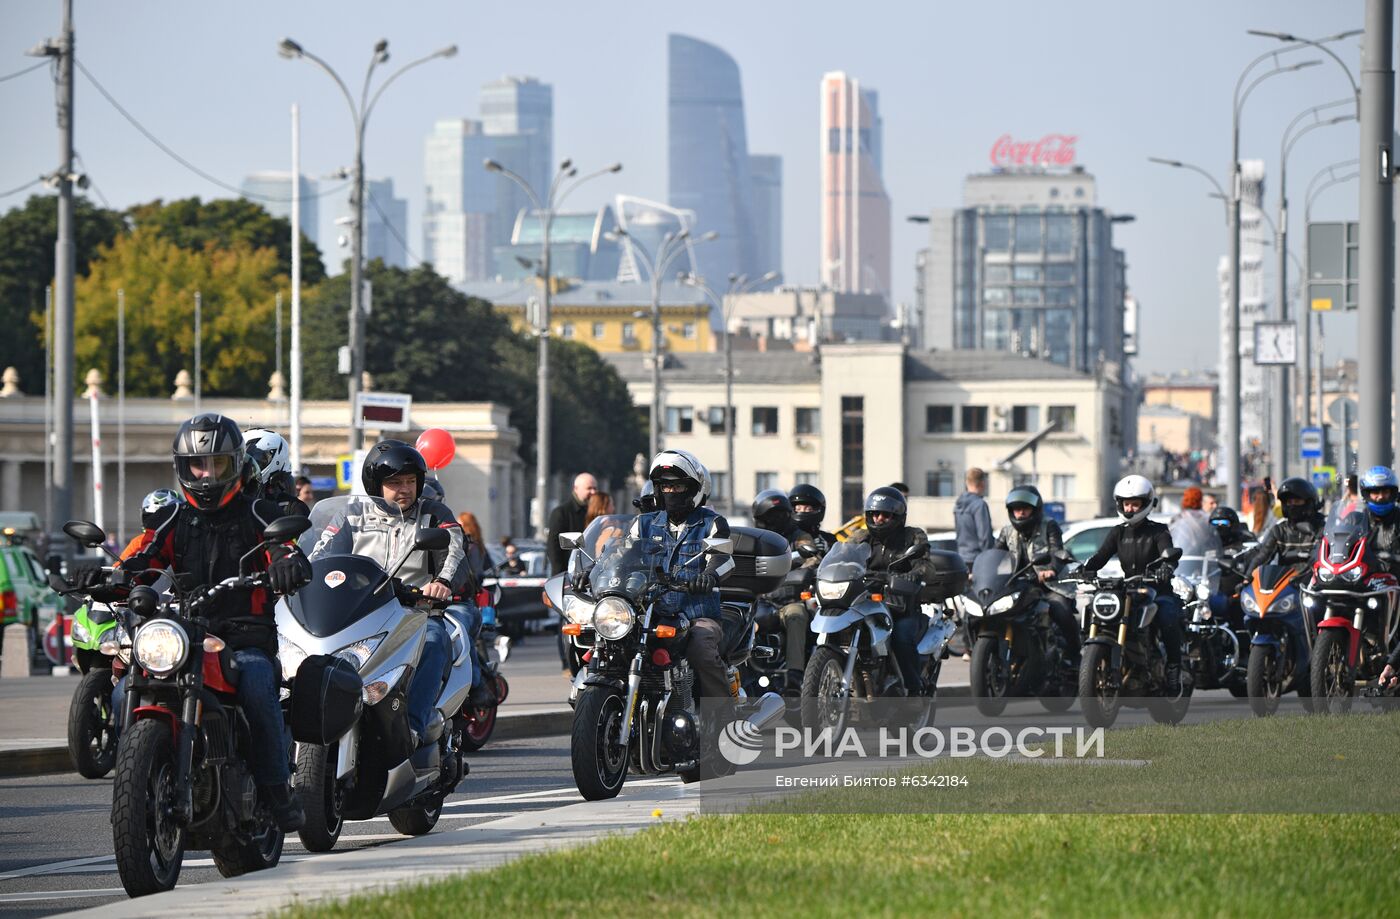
[1137, 547]
[1289, 543]
[378, 530]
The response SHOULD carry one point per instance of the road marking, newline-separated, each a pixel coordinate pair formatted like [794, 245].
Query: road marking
[45, 869]
[30, 896]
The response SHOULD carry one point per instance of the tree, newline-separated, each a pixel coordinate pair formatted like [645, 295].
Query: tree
[192, 224]
[237, 285]
[27, 236]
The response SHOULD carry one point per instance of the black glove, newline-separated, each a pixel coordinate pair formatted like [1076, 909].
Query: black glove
[90, 578]
[1159, 573]
[701, 583]
[289, 572]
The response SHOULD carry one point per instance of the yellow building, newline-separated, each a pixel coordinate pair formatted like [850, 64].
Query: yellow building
[1195, 395]
[608, 316]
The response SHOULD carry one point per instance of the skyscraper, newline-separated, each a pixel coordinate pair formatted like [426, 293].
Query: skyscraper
[273, 190]
[386, 223]
[1254, 307]
[766, 172]
[855, 208]
[708, 156]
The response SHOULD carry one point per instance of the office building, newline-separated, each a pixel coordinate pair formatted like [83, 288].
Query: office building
[273, 190]
[855, 210]
[766, 202]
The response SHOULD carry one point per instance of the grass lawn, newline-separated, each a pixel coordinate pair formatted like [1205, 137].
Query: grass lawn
[767, 863]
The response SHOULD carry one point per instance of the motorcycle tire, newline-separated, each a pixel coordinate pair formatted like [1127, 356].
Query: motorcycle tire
[92, 732]
[320, 795]
[1099, 702]
[1332, 681]
[597, 755]
[991, 681]
[481, 722]
[1263, 682]
[822, 707]
[417, 819]
[1171, 711]
[261, 852]
[148, 843]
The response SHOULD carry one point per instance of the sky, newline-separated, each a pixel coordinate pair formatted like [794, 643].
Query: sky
[1130, 80]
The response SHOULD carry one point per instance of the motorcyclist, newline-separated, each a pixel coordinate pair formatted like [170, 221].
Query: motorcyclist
[885, 513]
[772, 511]
[1139, 544]
[1228, 529]
[646, 502]
[808, 511]
[383, 529]
[1031, 535]
[1379, 488]
[1294, 540]
[680, 528]
[270, 469]
[1224, 602]
[204, 537]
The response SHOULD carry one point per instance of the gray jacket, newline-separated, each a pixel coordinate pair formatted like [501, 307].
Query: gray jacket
[377, 530]
[973, 523]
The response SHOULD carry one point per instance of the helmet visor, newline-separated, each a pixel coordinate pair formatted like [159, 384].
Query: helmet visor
[207, 468]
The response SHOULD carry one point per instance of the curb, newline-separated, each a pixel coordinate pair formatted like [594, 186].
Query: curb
[34, 761]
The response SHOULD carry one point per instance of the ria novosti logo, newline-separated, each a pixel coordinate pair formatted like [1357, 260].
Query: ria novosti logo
[741, 743]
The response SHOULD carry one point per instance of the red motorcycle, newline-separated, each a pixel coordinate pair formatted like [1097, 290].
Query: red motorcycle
[492, 650]
[1355, 606]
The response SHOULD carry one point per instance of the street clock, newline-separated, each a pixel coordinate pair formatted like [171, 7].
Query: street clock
[1275, 343]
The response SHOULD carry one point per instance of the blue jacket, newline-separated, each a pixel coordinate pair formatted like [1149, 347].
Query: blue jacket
[973, 523]
[684, 555]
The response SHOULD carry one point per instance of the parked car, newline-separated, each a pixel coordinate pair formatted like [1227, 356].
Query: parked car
[521, 608]
[25, 596]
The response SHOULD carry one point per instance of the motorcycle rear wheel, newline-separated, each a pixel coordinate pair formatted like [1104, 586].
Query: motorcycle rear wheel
[1098, 695]
[417, 819]
[1332, 678]
[92, 734]
[597, 753]
[1263, 681]
[481, 722]
[263, 851]
[149, 844]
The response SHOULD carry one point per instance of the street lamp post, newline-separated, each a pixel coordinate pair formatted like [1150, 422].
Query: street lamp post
[737, 285]
[360, 115]
[545, 210]
[1314, 190]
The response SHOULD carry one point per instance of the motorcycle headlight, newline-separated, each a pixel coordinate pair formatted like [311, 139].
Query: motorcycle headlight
[289, 655]
[1182, 588]
[613, 618]
[80, 634]
[1106, 606]
[1286, 604]
[1325, 575]
[1352, 575]
[1248, 602]
[161, 646]
[971, 607]
[577, 610]
[1003, 604]
[831, 590]
[360, 652]
[1202, 591]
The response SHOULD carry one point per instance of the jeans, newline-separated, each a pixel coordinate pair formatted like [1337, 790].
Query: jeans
[427, 678]
[1169, 625]
[908, 629]
[702, 652]
[258, 682]
[471, 620]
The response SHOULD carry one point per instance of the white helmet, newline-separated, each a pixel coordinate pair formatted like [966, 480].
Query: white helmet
[269, 453]
[673, 465]
[1134, 486]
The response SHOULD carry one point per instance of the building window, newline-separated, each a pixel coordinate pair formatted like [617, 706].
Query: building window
[1062, 487]
[1063, 415]
[719, 487]
[597, 330]
[809, 420]
[629, 333]
[1028, 233]
[1059, 234]
[688, 330]
[852, 455]
[765, 420]
[1061, 273]
[1029, 294]
[1059, 296]
[938, 419]
[806, 478]
[567, 330]
[680, 419]
[1026, 273]
[715, 419]
[1022, 478]
[762, 481]
[1025, 419]
[996, 294]
[996, 274]
[996, 233]
[939, 484]
[974, 419]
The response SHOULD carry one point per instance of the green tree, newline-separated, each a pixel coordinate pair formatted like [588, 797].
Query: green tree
[225, 222]
[237, 285]
[27, 236]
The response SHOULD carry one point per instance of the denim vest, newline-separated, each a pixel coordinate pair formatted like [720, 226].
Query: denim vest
[684, 555]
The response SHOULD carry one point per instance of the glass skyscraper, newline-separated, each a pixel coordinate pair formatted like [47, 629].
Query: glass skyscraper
[854, 206]
[273, 190]
[766, 172]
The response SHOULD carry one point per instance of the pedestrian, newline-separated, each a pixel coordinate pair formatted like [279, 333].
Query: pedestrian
[513, 565]
[1209, 503]
[568, 517]
[304, 492]
[971, 518]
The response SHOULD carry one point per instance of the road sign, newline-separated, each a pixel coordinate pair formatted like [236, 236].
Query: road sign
[344, 471]
[1310, 443]
[387, 411]
[1333, 264]
[1055, 510]
[1322, 477]
[325, 482]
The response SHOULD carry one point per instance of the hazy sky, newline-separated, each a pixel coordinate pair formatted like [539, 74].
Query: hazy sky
[1131, 80]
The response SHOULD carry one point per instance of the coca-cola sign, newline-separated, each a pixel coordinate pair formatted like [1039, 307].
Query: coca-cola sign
[1050, 150]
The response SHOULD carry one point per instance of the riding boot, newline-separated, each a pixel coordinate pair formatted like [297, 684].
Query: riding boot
[1173, 680]
[287, 811]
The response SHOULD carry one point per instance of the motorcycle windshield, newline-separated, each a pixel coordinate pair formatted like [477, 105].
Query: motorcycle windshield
[845, 562]
[597, 538]
[342, 592]
[1199, 544]
[1270, 575]
[991, 571]
[1343, 533]
[626, 566]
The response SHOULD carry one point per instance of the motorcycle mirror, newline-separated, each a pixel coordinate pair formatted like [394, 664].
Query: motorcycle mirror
[285, 529]
[85, 533]
[570, 540]
[720, 546]
[434, 539]
[808, 550]
[554, 592]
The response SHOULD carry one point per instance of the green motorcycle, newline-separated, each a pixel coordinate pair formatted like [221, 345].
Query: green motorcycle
[92, 726]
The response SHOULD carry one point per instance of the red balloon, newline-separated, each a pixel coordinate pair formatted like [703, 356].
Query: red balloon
[438, 447]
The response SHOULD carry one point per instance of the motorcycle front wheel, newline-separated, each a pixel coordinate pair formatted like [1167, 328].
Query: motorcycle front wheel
[148, 842]
[1264, 679]
[824, 705]
[92, 733]
[320, 795]
[597, 751]
[990, 676]
[1332, 679]
[1098, 690]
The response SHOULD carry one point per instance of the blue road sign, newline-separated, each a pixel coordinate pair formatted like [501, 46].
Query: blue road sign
[1055, 510]
[1310, 443]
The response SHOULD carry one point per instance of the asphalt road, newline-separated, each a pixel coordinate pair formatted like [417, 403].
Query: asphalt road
[56, 838]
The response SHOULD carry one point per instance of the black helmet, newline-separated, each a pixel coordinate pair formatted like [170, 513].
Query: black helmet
[387, 459]
[1025, 496]
[645, 502]
[808, 494]
[1296, 487]
[209, 460]
[772, 510]
[433, 491]
[1225, 517]
[886, 499]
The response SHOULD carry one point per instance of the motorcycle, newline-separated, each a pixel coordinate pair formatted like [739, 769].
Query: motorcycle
[1214, 649]
[1017, 650]
[637, 705]
[1123, 658]
[355, 612]
[492, 649]
[1279, 646]
[182, 774]
[564, 592]
[767, 667]
[92, 732]
[1356, 609]
[854, 622]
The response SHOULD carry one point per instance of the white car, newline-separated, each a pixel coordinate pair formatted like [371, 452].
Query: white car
[1083, 538]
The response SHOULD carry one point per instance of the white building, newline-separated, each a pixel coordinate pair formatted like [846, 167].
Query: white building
[1254, 306]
